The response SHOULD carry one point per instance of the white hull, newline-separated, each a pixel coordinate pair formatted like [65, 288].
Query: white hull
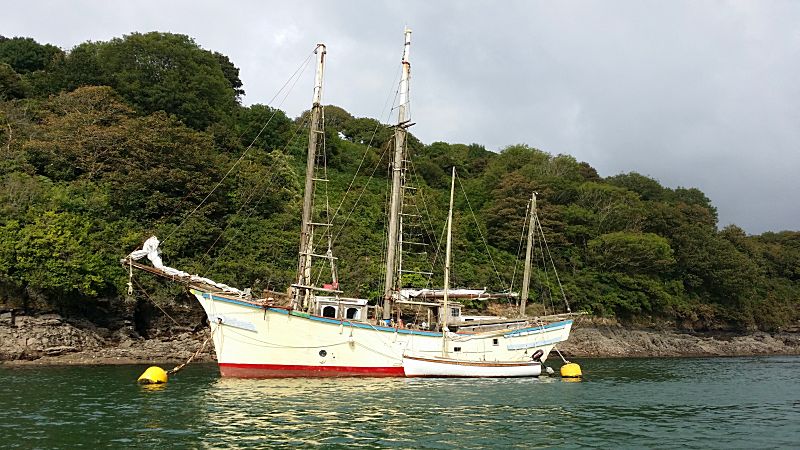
[444, 367]
[262, 342]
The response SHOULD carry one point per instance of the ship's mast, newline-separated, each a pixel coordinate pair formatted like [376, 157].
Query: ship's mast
[526, 277]
[398, 167]
[445, 303]
[302, 291]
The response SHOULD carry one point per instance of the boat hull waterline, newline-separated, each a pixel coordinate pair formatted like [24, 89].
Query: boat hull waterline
[255, 341]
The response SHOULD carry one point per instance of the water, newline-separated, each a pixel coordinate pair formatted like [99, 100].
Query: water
[635, 403]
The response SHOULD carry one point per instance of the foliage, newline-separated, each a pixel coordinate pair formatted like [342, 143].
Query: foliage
[633, 253]
[12, 85]
[25, 55]
[111, 142]
[153, 72]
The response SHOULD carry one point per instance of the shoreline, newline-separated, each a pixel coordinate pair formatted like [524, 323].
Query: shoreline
[53, 340]
[617, 341]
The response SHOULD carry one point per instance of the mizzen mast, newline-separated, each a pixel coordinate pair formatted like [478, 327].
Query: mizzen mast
[445, 302]
[526, 277]
[398, 168]
[303, 288]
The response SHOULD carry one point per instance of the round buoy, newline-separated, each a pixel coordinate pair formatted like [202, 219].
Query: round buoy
[571, 370]
[153, 375]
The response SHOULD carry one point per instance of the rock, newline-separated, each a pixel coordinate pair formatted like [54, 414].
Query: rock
[618, 341]
[54, 351]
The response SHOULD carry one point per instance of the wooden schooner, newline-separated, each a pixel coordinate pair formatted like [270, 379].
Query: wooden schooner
[321, 334]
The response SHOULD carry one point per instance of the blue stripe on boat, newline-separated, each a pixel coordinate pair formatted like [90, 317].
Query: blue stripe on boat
[531, 330]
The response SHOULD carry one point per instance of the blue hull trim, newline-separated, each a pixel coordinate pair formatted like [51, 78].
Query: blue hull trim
[531, 330]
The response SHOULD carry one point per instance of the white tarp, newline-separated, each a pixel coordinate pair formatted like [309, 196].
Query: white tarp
[407, 294]
[150, 249]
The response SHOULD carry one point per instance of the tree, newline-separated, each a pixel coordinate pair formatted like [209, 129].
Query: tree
[12, 85]
[153, 72]
[231, 73]
[633, 253]
[82, 66]
[646, 187]
[711, 265]
[25, 55]
[57, 253]
[614, 209]
[171, 73]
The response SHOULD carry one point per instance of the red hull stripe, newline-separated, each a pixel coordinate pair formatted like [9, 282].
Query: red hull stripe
[284, 371]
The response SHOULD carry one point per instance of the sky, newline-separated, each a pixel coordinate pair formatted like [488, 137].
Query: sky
[701, 94]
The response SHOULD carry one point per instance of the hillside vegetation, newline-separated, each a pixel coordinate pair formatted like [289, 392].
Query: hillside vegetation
[110, 142]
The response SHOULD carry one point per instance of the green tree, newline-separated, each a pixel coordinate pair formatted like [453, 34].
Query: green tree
[633, 253]
[25, 55]
[646, 187]
[12, 85]
[171, 73]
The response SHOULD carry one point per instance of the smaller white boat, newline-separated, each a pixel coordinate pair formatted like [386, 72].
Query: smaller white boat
[445, 366]
[415, 366]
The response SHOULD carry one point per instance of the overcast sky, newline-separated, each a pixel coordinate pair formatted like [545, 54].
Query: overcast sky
[699, 94]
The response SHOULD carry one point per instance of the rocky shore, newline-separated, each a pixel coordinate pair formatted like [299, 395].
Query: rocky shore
[619, 341]
[52, 339]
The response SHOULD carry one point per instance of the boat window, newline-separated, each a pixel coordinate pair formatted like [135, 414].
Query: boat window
[454, 312]
[495, 341]
[329, 311]
[456, 349]
[352, 313]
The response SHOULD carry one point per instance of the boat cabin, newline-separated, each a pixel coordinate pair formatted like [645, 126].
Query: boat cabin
[341, 308]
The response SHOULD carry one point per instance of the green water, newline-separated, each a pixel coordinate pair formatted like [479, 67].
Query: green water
[634, 403]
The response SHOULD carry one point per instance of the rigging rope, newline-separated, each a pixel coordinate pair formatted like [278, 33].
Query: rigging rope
[255, 190]
[298, 71]
[553, 264]
[519, 245]
[153, 301]
[363, 158]
[366, 152]
[191, 358]
[485, 244]
[429, 224]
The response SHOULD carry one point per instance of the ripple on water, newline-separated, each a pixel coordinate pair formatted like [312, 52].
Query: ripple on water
[653, 403]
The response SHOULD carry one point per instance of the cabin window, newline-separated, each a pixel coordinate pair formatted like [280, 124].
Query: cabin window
[456, 349]
[454, 312]
[353, 313]
[495, 341]
[329, 311]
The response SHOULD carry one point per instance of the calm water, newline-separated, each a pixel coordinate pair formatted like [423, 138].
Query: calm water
[698, 403]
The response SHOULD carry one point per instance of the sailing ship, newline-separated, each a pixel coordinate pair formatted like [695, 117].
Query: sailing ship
[319, 333]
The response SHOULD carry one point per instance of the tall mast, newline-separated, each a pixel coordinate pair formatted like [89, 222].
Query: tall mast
[526, 277]
[445, 304]
[302, 294]
[392, 269]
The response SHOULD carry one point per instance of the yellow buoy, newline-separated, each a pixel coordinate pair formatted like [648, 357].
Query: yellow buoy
[153, 375]
[571, 370]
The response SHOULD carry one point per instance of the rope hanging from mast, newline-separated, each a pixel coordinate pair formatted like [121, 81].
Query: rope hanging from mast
[295, 77]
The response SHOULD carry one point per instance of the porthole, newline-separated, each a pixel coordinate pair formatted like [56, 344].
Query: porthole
[329, 311]
[323, 353]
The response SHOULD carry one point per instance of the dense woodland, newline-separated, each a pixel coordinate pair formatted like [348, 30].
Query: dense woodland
[110, 142]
